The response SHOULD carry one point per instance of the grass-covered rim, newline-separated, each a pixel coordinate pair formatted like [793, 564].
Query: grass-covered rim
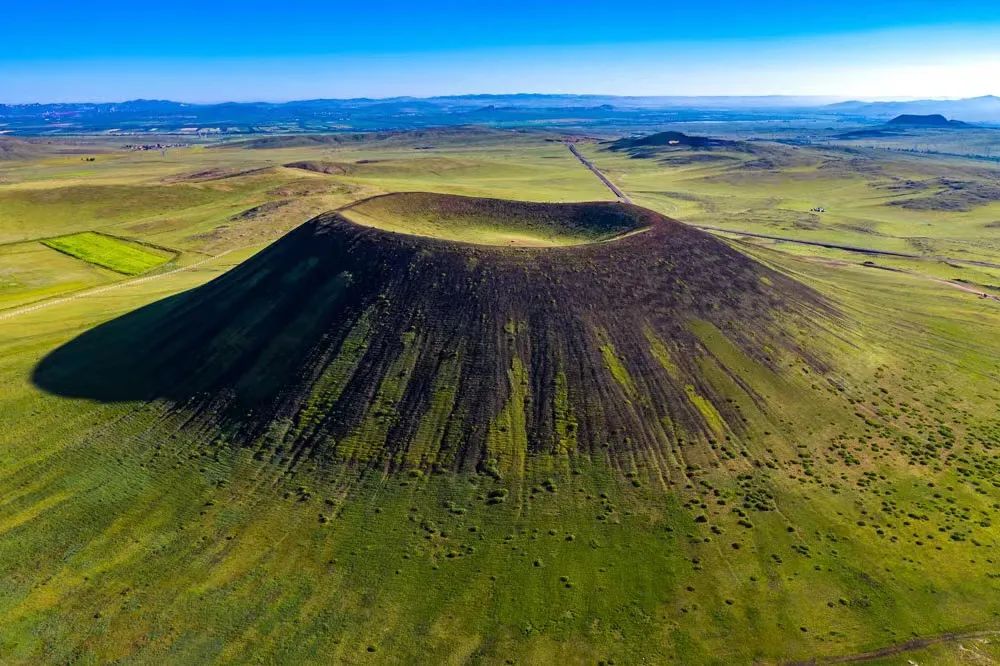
[498, 222]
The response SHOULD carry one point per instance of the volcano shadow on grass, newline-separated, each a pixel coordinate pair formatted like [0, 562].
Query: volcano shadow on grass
[245, 334]
[113, 361]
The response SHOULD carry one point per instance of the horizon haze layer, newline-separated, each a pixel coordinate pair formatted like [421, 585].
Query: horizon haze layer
[584, 113]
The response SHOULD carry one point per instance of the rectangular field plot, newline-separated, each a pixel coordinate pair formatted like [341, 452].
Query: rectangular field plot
[116, 254]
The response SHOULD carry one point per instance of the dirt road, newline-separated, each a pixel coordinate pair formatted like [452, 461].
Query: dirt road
[901, 648]
[848, 248]
[834, 246]
[597, 172]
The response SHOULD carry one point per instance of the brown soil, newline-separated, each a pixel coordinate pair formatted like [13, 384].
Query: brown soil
[213, 174]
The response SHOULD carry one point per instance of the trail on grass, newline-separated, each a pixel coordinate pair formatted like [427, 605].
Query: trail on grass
[899, 648]
[25, 309]
[848, 248]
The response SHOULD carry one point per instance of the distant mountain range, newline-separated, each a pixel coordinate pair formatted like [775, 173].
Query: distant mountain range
[973, 109]
[329, 115]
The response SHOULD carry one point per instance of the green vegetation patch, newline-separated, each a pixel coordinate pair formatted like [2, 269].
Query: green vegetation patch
[116, 254]
[365, 442]
[660, 352]
[565, 419]
[617, 368]
[427, 442]
[507, 441]
[330, 384]
[706, 408]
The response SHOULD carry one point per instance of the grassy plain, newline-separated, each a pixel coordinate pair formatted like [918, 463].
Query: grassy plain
[859, 510]
[201, 201]
[933, 206]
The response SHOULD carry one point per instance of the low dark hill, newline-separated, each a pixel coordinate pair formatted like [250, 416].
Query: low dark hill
[905, 124]
[18, 149]
[669, 139]
[319, 166]
[350, 343]
[418, 138]
[300, 141]
[931, 120]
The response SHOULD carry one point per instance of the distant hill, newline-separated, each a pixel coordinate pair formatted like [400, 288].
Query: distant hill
[16, 149]
[421, 138]
[319, 166]
[678, 139]
[905, 124]
[930, 120]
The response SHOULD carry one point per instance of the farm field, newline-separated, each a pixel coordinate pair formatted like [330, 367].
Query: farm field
[117, 254]
[696, 448]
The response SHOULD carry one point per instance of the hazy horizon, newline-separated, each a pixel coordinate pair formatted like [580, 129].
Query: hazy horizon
[816, 99]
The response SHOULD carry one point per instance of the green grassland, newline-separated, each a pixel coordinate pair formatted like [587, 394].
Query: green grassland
[924, 205]
[973, 650]
[121, 540]
[203, 201]
[852, 511]
[31, 272]
[983, 143]
[117, 254]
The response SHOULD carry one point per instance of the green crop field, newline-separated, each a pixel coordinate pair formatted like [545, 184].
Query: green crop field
[329, 442]
[117, 254]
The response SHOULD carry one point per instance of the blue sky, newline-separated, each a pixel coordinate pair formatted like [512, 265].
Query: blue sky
[213, 51]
